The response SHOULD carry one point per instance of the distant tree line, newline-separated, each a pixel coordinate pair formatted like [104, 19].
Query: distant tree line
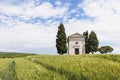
[91, 42]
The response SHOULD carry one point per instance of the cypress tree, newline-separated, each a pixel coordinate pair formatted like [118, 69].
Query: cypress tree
[86, 42]
[93, 42]
[61, 40]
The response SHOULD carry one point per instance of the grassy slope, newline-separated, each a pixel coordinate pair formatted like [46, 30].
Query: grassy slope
[82, 67]
[87, 67]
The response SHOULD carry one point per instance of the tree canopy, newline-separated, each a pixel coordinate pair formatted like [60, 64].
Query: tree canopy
[61, 42]
[86, 42]
[105, 49]
[93, 42]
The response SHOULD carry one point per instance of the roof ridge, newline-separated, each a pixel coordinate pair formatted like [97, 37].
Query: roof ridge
[76, 35]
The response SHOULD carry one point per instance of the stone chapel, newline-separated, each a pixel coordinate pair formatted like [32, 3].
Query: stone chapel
[76, 44]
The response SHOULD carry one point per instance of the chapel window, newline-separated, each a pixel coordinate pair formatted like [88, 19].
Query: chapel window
[76, 42]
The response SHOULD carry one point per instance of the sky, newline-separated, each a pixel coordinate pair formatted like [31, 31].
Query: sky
[31, 26]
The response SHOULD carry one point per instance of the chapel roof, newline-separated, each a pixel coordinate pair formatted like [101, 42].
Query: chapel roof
[76, 35]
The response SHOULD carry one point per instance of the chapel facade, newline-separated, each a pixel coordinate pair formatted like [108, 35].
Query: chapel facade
[76, 44]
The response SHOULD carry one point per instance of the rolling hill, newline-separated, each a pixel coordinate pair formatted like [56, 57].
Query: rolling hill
[55, 67]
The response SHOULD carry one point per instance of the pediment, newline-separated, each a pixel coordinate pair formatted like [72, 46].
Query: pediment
[76, 35]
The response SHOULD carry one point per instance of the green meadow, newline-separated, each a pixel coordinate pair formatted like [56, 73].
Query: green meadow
[59, 67]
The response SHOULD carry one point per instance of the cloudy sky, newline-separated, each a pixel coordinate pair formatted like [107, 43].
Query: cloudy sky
[31, 25]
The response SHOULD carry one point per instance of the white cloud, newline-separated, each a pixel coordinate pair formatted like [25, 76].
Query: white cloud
[102, 11]
[106, 14]
[9, 10]
[30, 10]
[46, 10]
[27, 36]
[58, 3]
[16, 35]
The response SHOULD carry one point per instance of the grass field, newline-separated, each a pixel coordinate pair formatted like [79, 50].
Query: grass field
[54, 67]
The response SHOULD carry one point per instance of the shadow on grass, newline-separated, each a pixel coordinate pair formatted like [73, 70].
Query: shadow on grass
[69, 75]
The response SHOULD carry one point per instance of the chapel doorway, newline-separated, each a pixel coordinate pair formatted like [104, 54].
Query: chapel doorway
[76, 50]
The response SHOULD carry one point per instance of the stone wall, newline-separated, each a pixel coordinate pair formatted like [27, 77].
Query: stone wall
[72, 45]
